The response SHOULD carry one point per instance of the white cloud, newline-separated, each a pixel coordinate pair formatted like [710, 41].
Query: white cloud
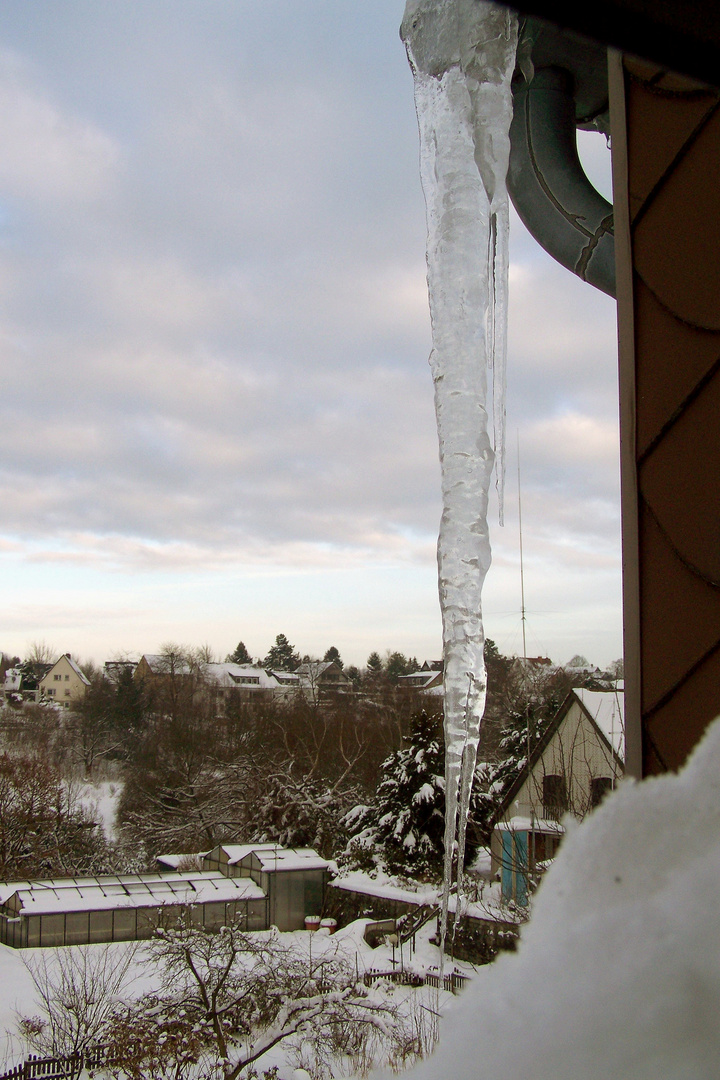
[48, 154]
[214, 326]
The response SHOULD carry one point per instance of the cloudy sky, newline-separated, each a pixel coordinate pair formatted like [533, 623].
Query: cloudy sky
[216, 417]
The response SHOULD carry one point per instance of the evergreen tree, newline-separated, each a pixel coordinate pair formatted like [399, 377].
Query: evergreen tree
[130, 711]
[239, 656]
[403, 827]
[281, 656]
[333, 654]
[397, 665]
[354, 675]
[374, 663]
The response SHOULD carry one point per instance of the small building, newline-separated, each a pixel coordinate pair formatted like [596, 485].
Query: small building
[293, 879]
[578, 759]
[63, 683]
[162, 667]
[525, 845]
[321, 679]
[422, 680]
[22, 683]
[128, 907]
[228, 682]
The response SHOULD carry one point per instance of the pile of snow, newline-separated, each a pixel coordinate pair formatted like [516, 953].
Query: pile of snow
[618, 973]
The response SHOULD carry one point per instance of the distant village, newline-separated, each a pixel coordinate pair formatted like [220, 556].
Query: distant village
[224, 800]
[62, 681]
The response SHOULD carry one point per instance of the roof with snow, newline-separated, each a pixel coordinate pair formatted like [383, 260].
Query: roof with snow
[273, 857]
[127, 891]
[360, 882]
[607, 708]
[173, 861]
[230, 675]
[526, 824]
[280, 858]
[421, 679]
[237, 852]
[160, 664]
[65, 660]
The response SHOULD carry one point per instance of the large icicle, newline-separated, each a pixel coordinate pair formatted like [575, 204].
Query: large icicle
[462, 53]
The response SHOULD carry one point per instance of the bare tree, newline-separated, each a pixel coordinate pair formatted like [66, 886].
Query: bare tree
[247, 993]
[77, 991]
[205, 654]
[43, 827]
[40, 652]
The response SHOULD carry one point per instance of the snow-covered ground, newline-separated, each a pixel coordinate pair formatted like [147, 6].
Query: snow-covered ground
[101, 800]
[17, 993]
[618, 970]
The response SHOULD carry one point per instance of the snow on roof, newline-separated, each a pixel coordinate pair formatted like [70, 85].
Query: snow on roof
[160, 664]
[275, 857]
[314, 667]
[229, 675]
[237, 852]
[75, 668]
[361, 883]
[278, 858]
[173, 861]
[419, 678]
[607, 709]
[69, 660]
[518, 823]
[129, 891]
[287, 677]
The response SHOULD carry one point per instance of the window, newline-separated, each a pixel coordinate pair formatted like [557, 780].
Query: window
[51, 691]
[100, 926]
[57, 678]
[124, 924]
[67, 693]
[67, 678]
[599, 787]
[52, 930]
[555, 800]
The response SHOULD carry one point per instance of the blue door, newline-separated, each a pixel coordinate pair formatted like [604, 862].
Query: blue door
[507, 866]
[520, 868]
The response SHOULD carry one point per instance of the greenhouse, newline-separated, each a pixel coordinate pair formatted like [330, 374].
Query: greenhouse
[128, 907]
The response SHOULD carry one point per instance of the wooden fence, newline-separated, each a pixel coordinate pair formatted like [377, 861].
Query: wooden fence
[452, 982]
[67, 1068]
[58, 1068]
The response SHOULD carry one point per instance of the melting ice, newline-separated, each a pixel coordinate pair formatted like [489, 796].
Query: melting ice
[462, 53]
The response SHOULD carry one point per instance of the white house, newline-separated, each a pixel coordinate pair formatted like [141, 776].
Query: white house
[579, 758]
[63, 683]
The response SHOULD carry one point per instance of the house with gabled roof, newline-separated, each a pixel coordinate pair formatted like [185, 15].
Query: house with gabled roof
[321, 678]
[424, 679]
[64, 683]
[241, 682]
[578, 759]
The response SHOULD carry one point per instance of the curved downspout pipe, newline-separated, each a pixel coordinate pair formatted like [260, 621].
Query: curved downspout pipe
[548, 187]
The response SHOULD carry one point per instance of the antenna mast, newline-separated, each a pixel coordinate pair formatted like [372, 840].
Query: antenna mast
[522, 573]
